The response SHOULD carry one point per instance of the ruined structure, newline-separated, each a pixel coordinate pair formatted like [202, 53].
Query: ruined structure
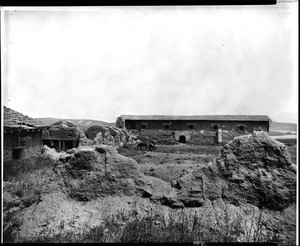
[22, 135]
[108, 135]
[198, 129]
[62, 135]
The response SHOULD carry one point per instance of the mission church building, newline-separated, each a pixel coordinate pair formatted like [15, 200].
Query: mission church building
[197, 129]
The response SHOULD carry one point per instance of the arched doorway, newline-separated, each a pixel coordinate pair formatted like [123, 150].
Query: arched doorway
[182, 139]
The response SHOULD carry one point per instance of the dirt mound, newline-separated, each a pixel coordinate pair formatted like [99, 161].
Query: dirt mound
[95, 171]
[259, 171]
[84, 174]
[252, 169]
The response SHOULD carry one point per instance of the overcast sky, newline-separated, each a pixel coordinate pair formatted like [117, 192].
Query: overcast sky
[99, 63]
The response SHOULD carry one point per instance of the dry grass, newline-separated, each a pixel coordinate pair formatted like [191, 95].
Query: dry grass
[14, 169]
[27, 176]
[178, 226]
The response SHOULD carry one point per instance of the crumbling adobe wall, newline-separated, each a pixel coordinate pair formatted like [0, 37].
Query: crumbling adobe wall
[209, 137]
[108, 135]
[161, 136]
[202, 137]
[92, 131]
[30, 141]
[120, 123]
[62, 130]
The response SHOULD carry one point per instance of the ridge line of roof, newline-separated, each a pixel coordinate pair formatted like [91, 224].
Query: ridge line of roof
[197, 117]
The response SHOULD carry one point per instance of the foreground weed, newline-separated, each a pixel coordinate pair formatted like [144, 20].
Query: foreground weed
[15, 169]
[27, 176]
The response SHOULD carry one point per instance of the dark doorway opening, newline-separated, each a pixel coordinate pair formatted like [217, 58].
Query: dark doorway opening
[68, 145]
[17, 153]
[182, 139]
[132, 125]
[51, 143]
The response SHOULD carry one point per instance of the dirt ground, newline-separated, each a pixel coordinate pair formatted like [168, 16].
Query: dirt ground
[169, 162]
[291, 144]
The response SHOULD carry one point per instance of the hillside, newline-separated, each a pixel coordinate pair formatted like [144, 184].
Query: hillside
[281, 126]
[83, 124]
[286, 117]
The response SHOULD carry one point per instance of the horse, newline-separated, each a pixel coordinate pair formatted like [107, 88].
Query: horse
[142, 144]
[151, 146]
[147, 146]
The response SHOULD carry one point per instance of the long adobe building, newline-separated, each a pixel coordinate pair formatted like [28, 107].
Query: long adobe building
[197, 129]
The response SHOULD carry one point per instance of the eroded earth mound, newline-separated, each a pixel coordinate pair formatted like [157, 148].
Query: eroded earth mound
[251, 169]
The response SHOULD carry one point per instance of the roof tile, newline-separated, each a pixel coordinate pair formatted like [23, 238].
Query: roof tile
[14, 119]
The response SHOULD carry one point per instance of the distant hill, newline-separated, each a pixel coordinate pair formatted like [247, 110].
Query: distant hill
[285, 117]
[83, 124]
[281, 126]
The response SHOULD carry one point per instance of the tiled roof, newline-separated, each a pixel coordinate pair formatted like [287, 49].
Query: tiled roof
[199, 117]
[15, 120]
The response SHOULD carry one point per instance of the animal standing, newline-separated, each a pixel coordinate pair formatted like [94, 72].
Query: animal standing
[142, 145]
[146, 146]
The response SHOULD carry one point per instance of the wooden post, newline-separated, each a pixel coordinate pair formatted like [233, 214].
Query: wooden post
[59, 145]
[63, 145]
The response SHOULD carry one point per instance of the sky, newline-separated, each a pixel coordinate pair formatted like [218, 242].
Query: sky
[101, 62]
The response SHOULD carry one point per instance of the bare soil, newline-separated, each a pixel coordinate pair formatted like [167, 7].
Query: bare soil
[170, 162]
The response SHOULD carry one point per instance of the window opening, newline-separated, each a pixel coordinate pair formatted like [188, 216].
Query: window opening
[191, 127]
[242, 127]
[215, 126]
